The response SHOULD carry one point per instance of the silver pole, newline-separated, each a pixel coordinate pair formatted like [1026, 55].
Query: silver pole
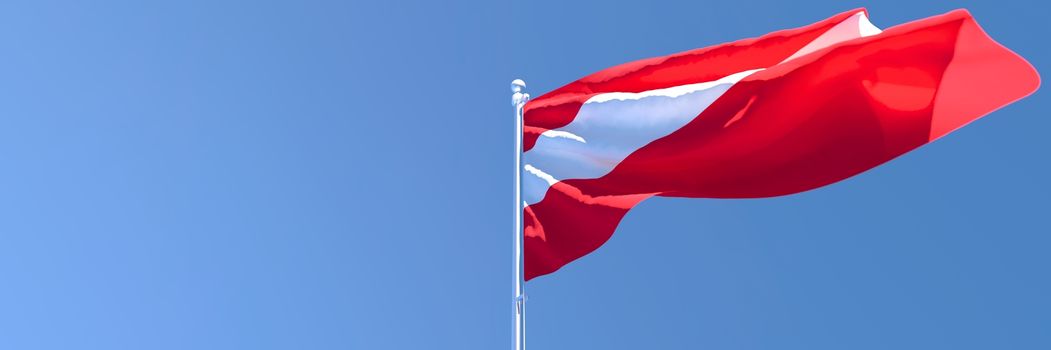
[518, 99]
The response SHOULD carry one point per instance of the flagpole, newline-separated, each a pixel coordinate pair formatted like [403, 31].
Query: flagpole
[518, 99]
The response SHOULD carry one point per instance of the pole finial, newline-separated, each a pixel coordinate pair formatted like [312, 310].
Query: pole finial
[519, 98]
[517, 85]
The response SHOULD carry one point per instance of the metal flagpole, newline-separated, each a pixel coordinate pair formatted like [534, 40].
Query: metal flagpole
[518, 99]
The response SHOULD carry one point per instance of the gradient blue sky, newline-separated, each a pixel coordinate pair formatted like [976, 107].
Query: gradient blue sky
[337, 175]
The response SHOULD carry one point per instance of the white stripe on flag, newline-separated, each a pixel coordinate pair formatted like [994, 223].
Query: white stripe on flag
[611, 126]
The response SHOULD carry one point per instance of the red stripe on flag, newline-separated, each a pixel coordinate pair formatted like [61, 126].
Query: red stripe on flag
[557, 108]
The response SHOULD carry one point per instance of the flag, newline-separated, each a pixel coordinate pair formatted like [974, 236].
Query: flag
[775, 115]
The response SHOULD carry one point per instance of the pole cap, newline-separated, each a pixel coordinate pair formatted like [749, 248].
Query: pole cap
[517, 85]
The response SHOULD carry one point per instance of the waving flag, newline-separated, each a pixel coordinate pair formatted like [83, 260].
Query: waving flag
[783, 113]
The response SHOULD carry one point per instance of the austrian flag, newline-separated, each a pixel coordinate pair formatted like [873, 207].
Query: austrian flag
[779, 114]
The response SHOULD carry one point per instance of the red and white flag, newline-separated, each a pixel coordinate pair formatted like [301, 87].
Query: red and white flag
[783, 113]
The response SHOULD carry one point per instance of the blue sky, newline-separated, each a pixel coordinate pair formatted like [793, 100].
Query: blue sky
[337, 175]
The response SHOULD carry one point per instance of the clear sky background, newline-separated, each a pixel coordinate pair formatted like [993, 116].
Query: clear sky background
[338, 175]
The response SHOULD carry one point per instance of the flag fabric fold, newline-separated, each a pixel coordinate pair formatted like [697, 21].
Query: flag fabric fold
[787, 112]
